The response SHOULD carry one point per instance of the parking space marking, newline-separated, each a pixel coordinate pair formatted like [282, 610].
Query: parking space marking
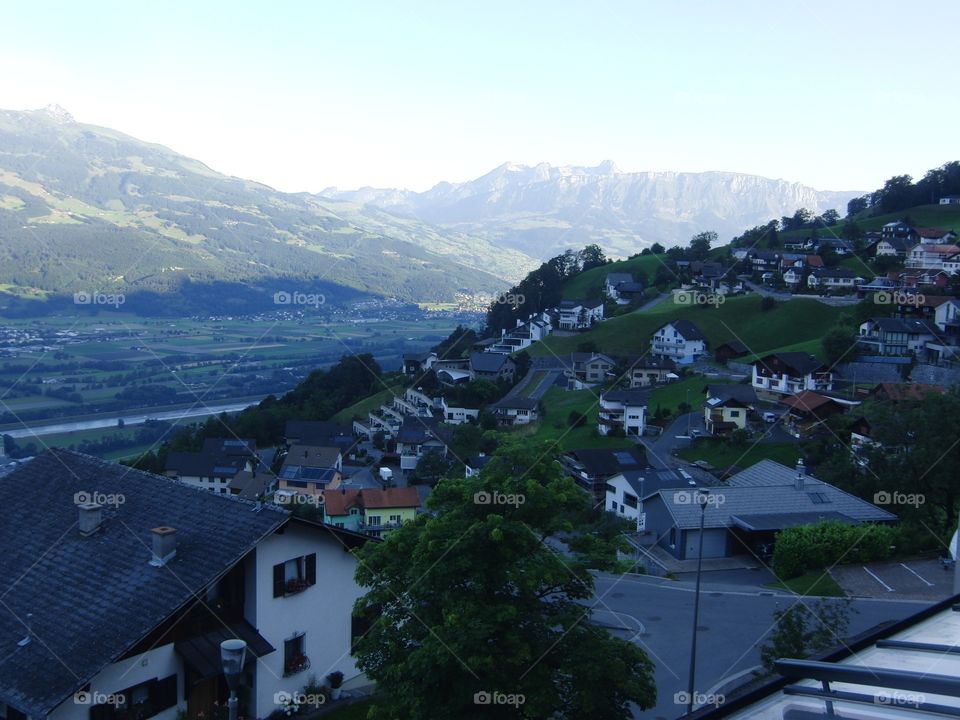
[929, 584]
[889, 589]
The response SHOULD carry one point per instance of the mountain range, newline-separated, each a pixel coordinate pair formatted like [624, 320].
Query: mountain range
[542, 210]
[87, 208]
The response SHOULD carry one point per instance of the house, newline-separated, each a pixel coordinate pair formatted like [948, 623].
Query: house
[878, 284]
[474, 465]
[590, 368]
[680, 340]
[895, 336]
[938, 236]
[808, 410]
[214, 465]
[623, 411]
[253, 485]
[418, 363]
[929, 256]
[895, 670]
[950, 200]
[651, 370]
[612, 284]
[727, 406]
[746, 513]
[492, 366]
[629, 292]
[764, 260]
[838, 246]
[794, 276]
[904, 392]
[579, 314]
[307, 471]
[592, 468]
[895, 247]
[787, 373]
[923, 278]
[372, 511]
[320, 432]
[730, 350]
[141, 579]
[624, 492]
[515, 410]
[898, 230]
[947, 317]
[418, 436]
[534, 329]
[835, 278]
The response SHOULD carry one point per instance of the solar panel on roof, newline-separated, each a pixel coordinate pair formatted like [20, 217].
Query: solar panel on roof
[625, 458]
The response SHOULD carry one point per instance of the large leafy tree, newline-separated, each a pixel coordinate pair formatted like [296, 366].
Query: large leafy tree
[472, 598]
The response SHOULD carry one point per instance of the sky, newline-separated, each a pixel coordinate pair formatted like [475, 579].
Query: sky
[307, 95]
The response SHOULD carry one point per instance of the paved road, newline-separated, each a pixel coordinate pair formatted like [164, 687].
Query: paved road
[733, 624]
[909, 579]
[838, 301]
[660, 449]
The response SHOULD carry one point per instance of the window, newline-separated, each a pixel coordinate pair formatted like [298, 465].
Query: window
[395, 519]
[294, 655]
[630, 500]
[295, 575]
[673, 536]
[138, 701]
[734, 413]
[373, 519]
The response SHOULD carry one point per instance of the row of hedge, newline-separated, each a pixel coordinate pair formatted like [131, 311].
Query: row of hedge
[806, 548]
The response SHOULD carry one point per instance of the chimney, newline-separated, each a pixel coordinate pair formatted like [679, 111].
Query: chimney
[90, 518]
[164, 545]
[801, 471]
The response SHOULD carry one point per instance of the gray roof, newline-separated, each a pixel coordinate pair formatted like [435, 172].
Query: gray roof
[90, 599]
[516, 403]
[651, 480]
[617, 278]
[741, 393]
[836, 272]
[630, 287]
[488, 362]
[768, 488]
[867, 372]
[800, 362]
[687, 329]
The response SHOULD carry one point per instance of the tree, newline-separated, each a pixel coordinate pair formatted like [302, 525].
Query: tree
[592, 256]
[803, 630]
[469, 599]
[657, 249]
[838, 344]
[830, 217]
[700, 244]
[858, 205]
[430, 468]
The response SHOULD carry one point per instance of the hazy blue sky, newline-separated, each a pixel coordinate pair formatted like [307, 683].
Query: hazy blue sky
[302, 95]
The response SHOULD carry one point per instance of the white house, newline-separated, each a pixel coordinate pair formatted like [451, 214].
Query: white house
[788, 373]
[930, 256]
[680, 340]
[515, 410]
[143, 577]
[579, 314]
[835, 278]
[894, 336]
[624, 410]
[215, 465]
[534, 329]
[613, 281]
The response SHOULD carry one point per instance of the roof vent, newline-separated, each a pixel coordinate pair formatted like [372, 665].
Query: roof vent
[90, 518]
[801, 471]
[164, 545]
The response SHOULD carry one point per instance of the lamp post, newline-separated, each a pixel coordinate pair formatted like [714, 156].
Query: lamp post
[702, 497]
[232, 654]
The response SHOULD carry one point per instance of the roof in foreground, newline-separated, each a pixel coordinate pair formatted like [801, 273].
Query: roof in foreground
[91, 598]
[903, 670]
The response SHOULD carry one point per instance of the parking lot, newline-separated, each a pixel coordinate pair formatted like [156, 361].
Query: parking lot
[906, 580]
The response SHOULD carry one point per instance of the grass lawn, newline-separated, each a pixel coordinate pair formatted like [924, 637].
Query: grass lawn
[590, 283]
[363, 407]
[720, 454]
[739, 318]
[813, 583]
[946, 217]
[691, 389]
[534, 383]
[553, 426]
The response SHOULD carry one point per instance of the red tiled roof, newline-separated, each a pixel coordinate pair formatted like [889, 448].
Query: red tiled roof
[911, 391]
[339, 502]
[808, 401]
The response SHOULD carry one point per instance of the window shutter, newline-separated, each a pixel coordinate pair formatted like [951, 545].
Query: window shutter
[279, 585]
[310, 561]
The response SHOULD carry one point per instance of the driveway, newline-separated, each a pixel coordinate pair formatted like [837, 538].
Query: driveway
[908, 580]
[674, 437]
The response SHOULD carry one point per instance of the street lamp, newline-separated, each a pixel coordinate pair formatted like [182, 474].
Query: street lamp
[232, 654]
[702, 498]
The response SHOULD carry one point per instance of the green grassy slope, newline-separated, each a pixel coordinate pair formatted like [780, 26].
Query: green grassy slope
[790, 323]
[589, 284]
[946, 217]
[553, 426]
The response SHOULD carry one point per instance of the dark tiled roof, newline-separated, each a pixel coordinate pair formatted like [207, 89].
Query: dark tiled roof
[741, 393]
[489, 362]
[629, 397]
[92, 598]
[598, 462]
[617, 278]
[516, 403]
[687, 329]
[316, 432]
[799, 362]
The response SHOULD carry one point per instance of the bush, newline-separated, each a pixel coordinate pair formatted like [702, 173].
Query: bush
[807, 548]
[767, 303]
[576, 419]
